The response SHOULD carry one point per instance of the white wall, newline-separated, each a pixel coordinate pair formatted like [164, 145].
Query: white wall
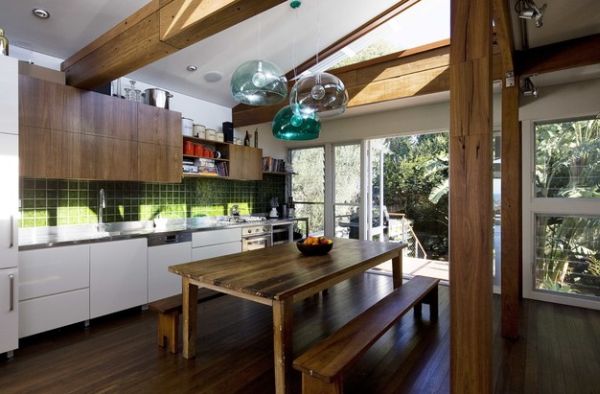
[203, 112]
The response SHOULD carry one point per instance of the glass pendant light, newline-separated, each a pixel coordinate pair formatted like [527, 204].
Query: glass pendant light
[321, 92]
[258, 82]
[293, 126]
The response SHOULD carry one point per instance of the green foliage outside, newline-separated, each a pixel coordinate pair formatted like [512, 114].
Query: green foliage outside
[567, 165]
[415, 183]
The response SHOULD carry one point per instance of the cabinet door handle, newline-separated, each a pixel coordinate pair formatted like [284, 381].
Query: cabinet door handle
[11, 279]
[12, 231]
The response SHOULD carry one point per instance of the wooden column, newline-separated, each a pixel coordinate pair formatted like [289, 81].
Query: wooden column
[511, 227]
[471, 196]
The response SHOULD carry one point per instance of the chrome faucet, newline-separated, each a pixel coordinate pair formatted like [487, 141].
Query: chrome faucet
[101, 207]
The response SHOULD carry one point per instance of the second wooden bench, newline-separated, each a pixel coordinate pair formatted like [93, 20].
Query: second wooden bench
[169, 310]
[323, 365]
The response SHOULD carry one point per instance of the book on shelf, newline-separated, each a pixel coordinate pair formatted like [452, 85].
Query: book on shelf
[271, 164]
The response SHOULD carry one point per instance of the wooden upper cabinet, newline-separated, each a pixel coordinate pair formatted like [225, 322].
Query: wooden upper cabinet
[245, 163]
[108, 116]
[44, 153]
[159, 163]
[159, 126]
[72, 133]
[49, 105]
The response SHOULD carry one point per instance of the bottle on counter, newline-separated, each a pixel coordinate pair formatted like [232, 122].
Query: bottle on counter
[247, 139]
[256, 138]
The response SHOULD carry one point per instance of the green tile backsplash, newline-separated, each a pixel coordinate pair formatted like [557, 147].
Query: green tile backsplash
[52, 202]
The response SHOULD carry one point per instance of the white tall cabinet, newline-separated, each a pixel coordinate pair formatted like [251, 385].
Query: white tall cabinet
[9, 203]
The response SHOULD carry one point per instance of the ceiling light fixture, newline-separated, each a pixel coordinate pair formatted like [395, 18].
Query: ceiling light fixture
[529, 89]
[191, 68]
[527, 9]
[41, 13]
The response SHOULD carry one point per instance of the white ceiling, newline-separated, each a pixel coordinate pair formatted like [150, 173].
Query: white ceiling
[563, 20]
[72, 24]
[281, 35]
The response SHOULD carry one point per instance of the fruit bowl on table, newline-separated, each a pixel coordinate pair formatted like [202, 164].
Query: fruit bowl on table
[314, 246]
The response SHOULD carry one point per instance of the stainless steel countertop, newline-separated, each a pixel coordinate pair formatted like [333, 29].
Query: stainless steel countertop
[47, 237]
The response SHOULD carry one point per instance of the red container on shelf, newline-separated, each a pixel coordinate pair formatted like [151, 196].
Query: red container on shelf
[208, 152]
[188, 148]
[198, 150]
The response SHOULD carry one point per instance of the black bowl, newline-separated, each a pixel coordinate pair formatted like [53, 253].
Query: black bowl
[313, 250]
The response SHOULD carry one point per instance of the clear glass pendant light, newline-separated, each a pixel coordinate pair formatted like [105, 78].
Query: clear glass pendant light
[258, 82]
[290, 125]
[321, 93]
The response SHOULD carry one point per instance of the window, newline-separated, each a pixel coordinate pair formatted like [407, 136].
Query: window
[308, 186]
[562, 212]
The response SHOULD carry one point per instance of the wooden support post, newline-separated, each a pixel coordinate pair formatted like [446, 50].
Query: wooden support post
[471, 196]
[190, 308]
[511, 229]
[283, 314]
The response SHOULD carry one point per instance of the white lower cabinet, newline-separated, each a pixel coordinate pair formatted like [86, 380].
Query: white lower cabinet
[161, 282]
[118, 276]
[53, 270]
[53, 288]
[9, 310]
[208, 252]
[54, 311]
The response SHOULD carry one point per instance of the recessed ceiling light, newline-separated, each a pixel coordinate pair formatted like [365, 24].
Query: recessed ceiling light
[191, 68]
[41, 13]
[213, 76]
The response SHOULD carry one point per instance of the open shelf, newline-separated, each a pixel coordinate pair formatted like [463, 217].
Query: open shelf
[193, 175]
[202, 157]
[278, 173]
[205, 141]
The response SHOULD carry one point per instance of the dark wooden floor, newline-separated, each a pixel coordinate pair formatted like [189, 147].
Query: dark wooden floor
[558, 353]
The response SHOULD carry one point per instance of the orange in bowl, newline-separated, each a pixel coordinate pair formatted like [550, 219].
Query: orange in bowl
[314, 246]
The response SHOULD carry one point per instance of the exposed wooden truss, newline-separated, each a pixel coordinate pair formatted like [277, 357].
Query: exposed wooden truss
[408, 73]
[158, 29]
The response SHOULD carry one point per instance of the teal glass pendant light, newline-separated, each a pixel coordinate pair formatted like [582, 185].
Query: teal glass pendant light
[258, 82]
[291, 125]
[295, 3]
[321, 93]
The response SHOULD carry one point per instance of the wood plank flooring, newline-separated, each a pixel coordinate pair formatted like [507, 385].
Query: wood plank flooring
[558, 351]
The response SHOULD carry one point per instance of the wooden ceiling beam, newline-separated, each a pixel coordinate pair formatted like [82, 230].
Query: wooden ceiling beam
[414, 72]
[578, 52]
[158, 29]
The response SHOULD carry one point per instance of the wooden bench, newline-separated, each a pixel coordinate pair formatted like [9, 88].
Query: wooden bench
[323, 365]
[169, 310]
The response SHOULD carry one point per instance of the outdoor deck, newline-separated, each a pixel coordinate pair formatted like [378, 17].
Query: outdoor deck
[425, 267]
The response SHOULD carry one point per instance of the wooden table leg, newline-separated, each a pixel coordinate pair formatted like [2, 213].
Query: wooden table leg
[190, 308]
[283, 314]
[397, 270]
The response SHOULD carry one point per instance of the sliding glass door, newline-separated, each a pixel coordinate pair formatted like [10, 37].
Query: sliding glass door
[376, 212]
[308, 186]
[347, 193]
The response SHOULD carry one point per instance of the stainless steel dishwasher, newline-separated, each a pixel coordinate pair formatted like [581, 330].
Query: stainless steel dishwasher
[165, 250]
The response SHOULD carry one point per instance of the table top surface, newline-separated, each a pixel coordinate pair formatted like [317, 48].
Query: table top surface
[281, 271]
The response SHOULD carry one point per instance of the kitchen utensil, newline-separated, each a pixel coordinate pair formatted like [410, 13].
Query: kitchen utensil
[188, 148]
[187, 127]
[157, 97]
[199, 131]
[211, 134]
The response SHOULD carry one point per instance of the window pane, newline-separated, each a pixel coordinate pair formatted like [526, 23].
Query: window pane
[567, 254]
[308, 181]
[347, 174]
[315, 214]
[567, 159]
[346, 221]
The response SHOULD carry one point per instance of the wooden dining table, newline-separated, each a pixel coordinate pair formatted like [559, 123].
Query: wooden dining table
[278, 277]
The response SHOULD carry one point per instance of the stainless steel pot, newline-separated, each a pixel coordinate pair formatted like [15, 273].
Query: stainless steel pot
[157, 97]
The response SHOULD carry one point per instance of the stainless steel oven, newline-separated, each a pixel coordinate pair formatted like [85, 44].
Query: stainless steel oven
[256, 237]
